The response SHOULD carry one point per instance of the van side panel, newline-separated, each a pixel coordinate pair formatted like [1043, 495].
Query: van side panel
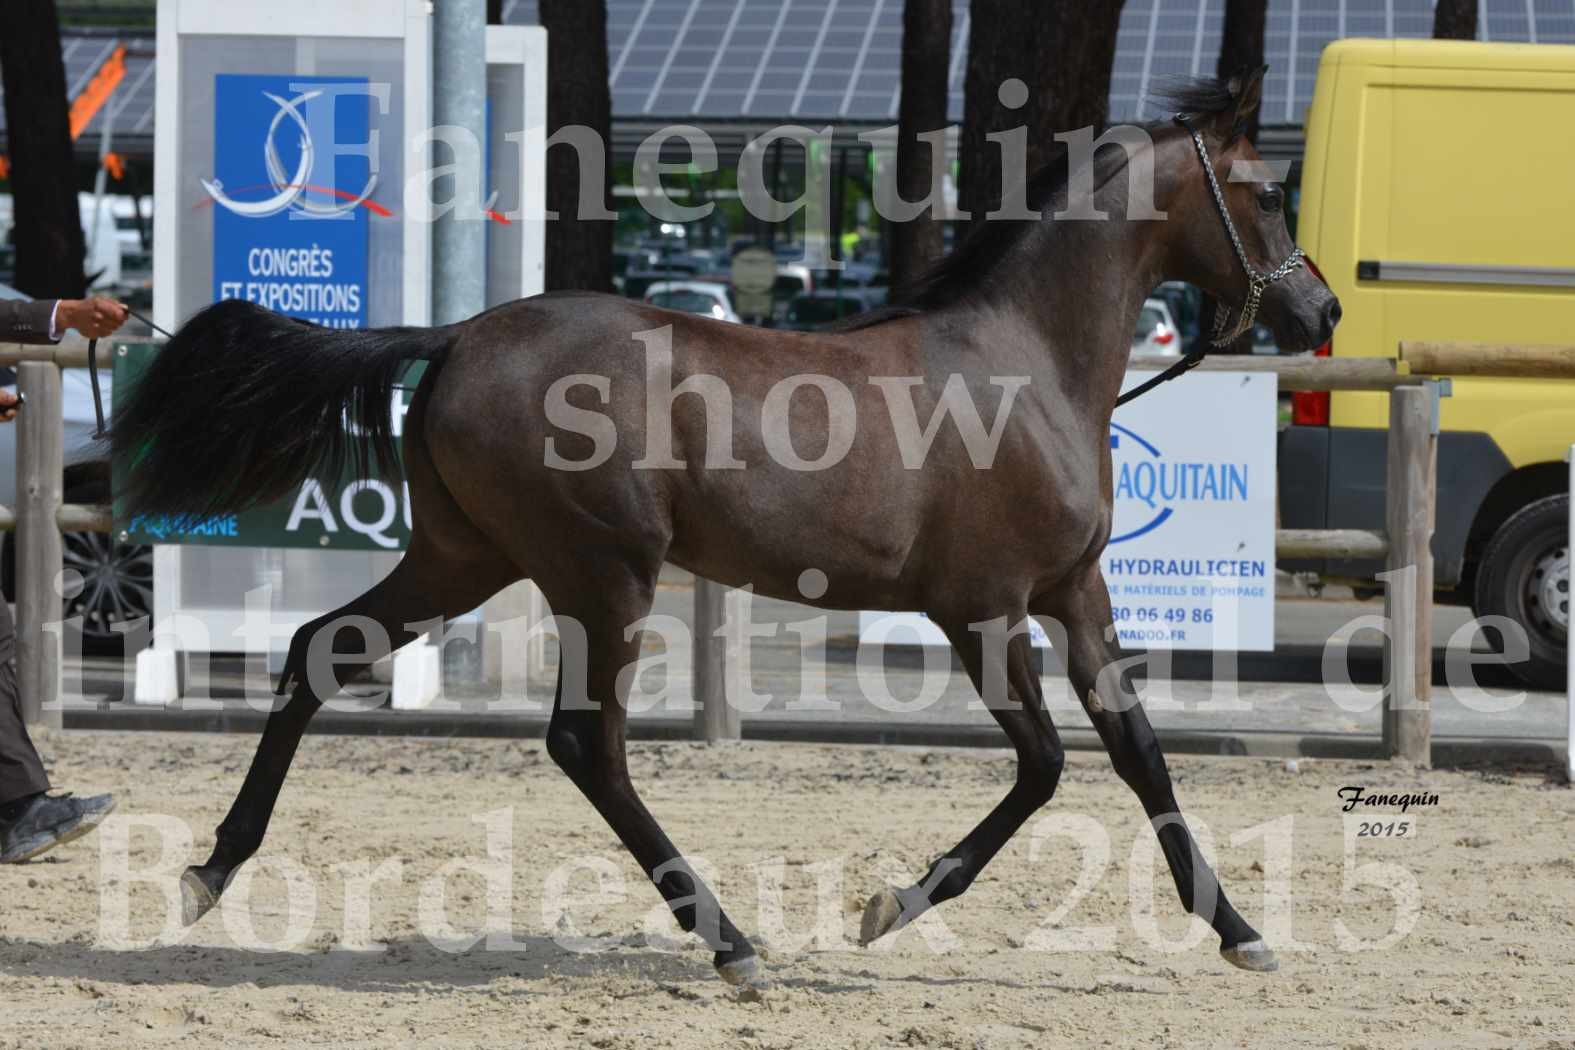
[1468, 167]
[1441, 154]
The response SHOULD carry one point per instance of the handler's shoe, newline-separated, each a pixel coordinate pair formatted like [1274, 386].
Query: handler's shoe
[43, 822]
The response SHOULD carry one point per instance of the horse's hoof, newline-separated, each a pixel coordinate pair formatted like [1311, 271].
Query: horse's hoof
[880, 917]
[1251, 955]
[747, 975]
[196, 899]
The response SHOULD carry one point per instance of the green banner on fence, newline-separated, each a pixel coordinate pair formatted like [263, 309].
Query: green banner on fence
[350, 513]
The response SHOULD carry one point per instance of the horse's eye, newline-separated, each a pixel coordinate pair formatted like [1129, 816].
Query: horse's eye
[1271, 200]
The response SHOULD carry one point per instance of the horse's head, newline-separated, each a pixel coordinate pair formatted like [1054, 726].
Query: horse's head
[1230, 238]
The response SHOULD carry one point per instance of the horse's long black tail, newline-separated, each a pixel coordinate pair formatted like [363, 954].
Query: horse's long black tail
[244, 404]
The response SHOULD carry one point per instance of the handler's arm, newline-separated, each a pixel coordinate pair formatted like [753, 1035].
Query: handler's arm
[24, 322]
[46, 320]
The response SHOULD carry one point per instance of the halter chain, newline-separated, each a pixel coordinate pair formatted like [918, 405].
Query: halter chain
[1257, 283]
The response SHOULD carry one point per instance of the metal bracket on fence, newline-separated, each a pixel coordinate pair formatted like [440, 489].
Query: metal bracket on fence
[1438, 390]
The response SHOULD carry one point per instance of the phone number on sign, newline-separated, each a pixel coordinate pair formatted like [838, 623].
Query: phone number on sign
[1173, 615]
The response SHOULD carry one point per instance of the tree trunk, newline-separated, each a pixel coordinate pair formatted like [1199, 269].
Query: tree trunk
[1000, 46]
[1241, 46]
[1241, 50]
[48, 225]
[926, 63]
[1076, 48]
[1455, 20]
[579, 251]
[1063, 51]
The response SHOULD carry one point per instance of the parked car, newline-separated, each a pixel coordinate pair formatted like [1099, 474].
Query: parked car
[621, 261]
[1186, 310]
[817, 309]
[793, 278]
[1263, 342]
[673, 267]
[1424, 238]
[855, 276]
[1156, 330]
[710, 299]
[117, 577]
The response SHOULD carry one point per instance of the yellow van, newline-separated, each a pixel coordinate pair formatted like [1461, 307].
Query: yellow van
[1436, 199]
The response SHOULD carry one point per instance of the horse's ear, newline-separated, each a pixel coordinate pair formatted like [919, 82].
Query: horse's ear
[1247, 91]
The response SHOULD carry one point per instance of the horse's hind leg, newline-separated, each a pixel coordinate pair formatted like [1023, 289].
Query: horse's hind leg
[1040, 758]
[1107, 696]
[425, 585]
[586, 740]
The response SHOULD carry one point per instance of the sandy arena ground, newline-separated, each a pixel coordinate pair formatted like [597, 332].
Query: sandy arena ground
[1489, 961]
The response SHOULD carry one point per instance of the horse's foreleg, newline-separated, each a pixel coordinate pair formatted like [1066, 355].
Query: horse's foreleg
[1040, 758]
[241, 833]
[1106, 692]
[421, 588]
[586, 739]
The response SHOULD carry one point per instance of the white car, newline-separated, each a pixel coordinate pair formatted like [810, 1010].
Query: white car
[707, 298]
[1156, 331]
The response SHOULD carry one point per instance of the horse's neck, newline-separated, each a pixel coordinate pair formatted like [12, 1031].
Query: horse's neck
[1080, 297]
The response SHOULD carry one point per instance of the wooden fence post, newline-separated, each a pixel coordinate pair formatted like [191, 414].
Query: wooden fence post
[1408, 652]
[40, 451]
[715, 719]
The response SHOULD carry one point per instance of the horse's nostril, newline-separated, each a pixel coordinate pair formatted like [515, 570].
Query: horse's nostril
[1332, 312]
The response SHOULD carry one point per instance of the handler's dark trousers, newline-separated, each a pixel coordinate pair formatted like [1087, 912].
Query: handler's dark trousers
[21, 772]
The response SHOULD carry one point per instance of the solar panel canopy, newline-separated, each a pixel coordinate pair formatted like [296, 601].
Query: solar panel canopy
[130, 107]
[840, 60]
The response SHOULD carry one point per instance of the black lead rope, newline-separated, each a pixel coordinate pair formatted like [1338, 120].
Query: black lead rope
[149, 323]
[1186, 364]
[98, 399]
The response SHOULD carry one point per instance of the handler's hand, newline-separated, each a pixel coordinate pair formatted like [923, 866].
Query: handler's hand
[94, 318]
[8, 406]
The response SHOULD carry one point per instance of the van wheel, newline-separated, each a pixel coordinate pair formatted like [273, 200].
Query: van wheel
[1524, 575]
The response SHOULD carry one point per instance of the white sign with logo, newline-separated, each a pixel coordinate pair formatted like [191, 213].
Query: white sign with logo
[1190, 563]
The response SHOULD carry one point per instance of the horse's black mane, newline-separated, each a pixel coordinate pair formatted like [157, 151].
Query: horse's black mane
[961, 271]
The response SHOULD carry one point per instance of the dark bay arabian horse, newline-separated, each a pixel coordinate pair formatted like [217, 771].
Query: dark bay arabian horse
[243, 405]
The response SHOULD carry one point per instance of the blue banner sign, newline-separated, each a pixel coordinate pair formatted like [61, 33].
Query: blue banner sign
[291, 189]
